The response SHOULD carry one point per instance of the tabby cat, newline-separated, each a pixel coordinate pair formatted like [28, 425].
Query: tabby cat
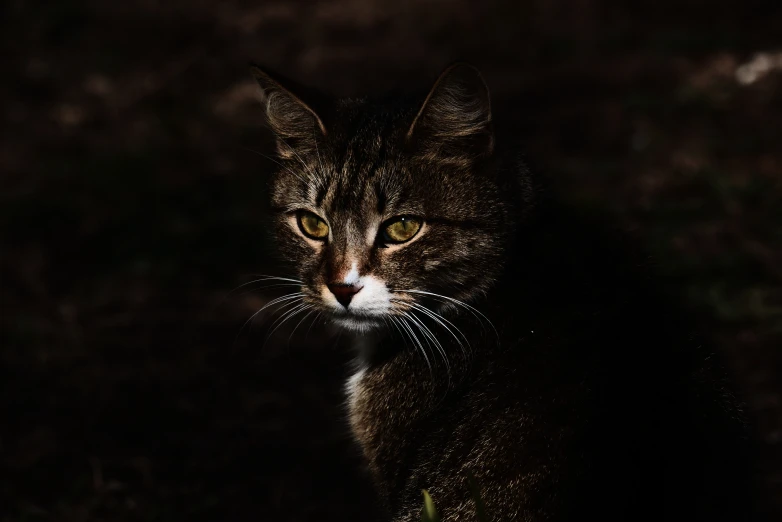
[501, 334]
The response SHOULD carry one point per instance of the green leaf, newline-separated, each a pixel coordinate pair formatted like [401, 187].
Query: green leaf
[429, 512]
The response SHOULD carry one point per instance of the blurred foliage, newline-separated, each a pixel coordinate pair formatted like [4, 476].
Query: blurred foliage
[429, 511]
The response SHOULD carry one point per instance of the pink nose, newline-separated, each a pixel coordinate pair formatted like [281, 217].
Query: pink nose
[343, 292]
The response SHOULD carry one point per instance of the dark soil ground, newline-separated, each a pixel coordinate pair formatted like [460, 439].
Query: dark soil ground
[132, 201]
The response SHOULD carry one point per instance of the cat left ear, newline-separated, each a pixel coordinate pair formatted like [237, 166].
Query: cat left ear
[455, 119]
[295, 124]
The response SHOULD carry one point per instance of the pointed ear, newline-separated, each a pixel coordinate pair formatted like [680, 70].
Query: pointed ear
[455, 118]
[294, 123]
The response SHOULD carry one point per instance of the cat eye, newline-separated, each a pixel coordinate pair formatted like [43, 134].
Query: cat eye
[312, 226]
[401, 229]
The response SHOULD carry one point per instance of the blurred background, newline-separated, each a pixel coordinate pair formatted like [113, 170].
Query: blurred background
[132, 201]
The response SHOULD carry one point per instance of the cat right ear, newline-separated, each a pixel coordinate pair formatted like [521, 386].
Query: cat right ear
[455, 121]
[294, 123]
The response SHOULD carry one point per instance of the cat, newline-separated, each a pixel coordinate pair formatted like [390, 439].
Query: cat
[502, 334]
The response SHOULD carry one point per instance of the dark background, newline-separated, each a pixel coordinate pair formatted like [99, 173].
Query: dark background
[132, 201]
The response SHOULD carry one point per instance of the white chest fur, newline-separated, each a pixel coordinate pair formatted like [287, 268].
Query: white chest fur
[352, 387]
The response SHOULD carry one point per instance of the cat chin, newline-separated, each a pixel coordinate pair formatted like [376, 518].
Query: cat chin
[357, 324]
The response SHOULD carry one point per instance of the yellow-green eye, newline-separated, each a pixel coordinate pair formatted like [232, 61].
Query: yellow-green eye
[312, 226]
[401, 229]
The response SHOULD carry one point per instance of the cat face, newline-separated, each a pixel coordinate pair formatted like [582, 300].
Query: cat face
[388, 211]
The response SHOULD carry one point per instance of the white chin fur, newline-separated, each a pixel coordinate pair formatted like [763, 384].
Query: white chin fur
[357, 324]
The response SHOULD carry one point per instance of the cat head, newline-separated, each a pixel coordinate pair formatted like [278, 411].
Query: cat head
[388, 208]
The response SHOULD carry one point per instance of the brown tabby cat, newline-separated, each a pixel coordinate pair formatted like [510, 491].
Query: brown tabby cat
[502, 335]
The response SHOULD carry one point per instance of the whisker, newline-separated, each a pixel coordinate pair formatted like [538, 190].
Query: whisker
[441, 321]
[299, 323]
[251, 290]
[262, 287]
[267, 276]
[470, 308]
[289, 314]
[314, 320]
[415, 339]
[284, 309]
[282, 299]
[279, 310]
[396, 327]
[426, 332]
[262, 278]
[430, 336]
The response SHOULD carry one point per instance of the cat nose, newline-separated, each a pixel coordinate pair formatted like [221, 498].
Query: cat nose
[344, 292]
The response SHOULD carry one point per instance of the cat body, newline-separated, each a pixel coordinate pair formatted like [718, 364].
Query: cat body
[607, 410]
[503, 336]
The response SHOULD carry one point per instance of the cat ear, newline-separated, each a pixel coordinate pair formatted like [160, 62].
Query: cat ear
[294, 123]
[455, 118]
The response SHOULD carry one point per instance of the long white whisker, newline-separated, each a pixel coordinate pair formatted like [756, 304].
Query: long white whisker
[266, 276]
[299, 323]
[284, 298]
[314, 320]
[281, 309]
[430, 336]
[284, 309]
[263, 278]
[251, 290]
[441, 321]
[396, 326]
[457, 302]
[288, 315]
[417, 342]
[262, 287]
[427, 334]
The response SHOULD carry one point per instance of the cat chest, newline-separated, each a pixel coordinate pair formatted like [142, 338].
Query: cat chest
[381, 410]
